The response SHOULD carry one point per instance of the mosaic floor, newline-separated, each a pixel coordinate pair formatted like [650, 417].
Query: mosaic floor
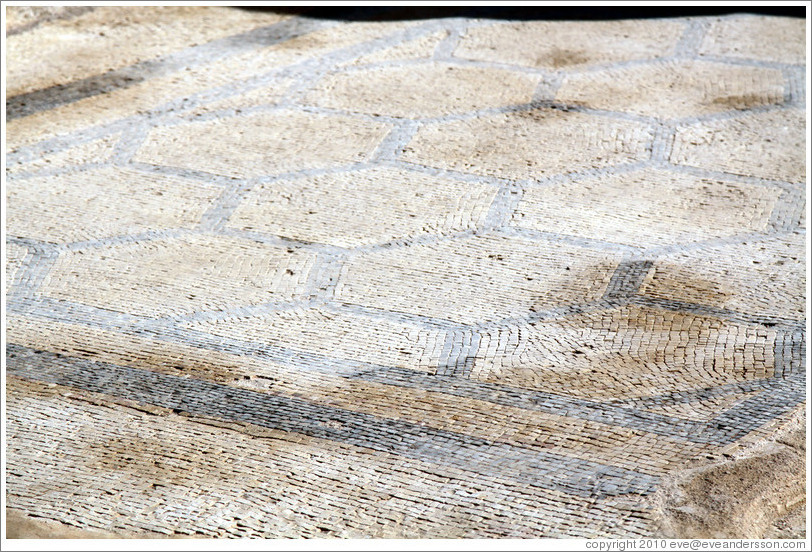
[276, 275]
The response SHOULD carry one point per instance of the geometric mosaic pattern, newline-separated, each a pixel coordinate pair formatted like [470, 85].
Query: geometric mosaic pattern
[454, 277]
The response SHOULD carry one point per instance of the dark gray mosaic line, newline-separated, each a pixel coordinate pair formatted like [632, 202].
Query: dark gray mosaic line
[607, 413]
[626, 280]
[487, 458]
[549, 403]
[725, 314]
[752, 413]
[789, 352]
[49, 98]
[705, 393]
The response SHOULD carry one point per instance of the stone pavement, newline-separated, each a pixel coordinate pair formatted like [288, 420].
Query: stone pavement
[278, 275]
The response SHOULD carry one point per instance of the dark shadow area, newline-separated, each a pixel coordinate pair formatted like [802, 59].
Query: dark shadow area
[527, 12]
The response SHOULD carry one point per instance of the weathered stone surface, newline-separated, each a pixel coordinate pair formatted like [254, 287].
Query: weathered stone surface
[748, 495]
[560, 45]
[14, 255]
[378, 205]
[528, 144]
[765, 145]
[111, 37]
[776, 39]
[264, 143]
[178, 275]
[94, 151]
[103, 203]
[337, 335]
[429, 90]
[445, 280]
[286, 275]
[761, 277]
[666, 208]
[418, 48]
[628, 353]
[673, 89]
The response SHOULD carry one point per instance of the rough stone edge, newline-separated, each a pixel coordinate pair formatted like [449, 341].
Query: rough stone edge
[22, 526]
[680, 514]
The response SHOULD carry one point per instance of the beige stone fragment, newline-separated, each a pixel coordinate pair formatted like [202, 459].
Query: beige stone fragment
[702, 410]
[14, 256]
[262, 96]
[529, 144]
[112, 37]
[429, 90]
[94, 151]
[263, 143]
[765, 277]
[22, 18]
[776, 39]
[338, 335]
[765, 145]
[144, 352]
[570, 44]
[171, 276]
[478, 278]
[418, 48]
[376, 206]
[647, 208]
[672, 89]
[316, 44]
[104, 202]
[153, 93]
[560, 434]
[628, 353]
[116, 468]
[744, 495]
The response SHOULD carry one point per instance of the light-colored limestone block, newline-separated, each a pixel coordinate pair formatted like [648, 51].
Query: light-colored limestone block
[258, 482]
[258, 97]
[529, 144]
[777, 39]
[154, 93]
[429, 90]
[264, 143]
[376, 206]
[765, 277]
[672, 89]
[179, 275]
[94, 151]
[473, 279]
[570, 44]
[646, 208]
[626, 353]
[765, 145]
[104, 202]
[112, 37]
[339, 335]
[418, 48]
